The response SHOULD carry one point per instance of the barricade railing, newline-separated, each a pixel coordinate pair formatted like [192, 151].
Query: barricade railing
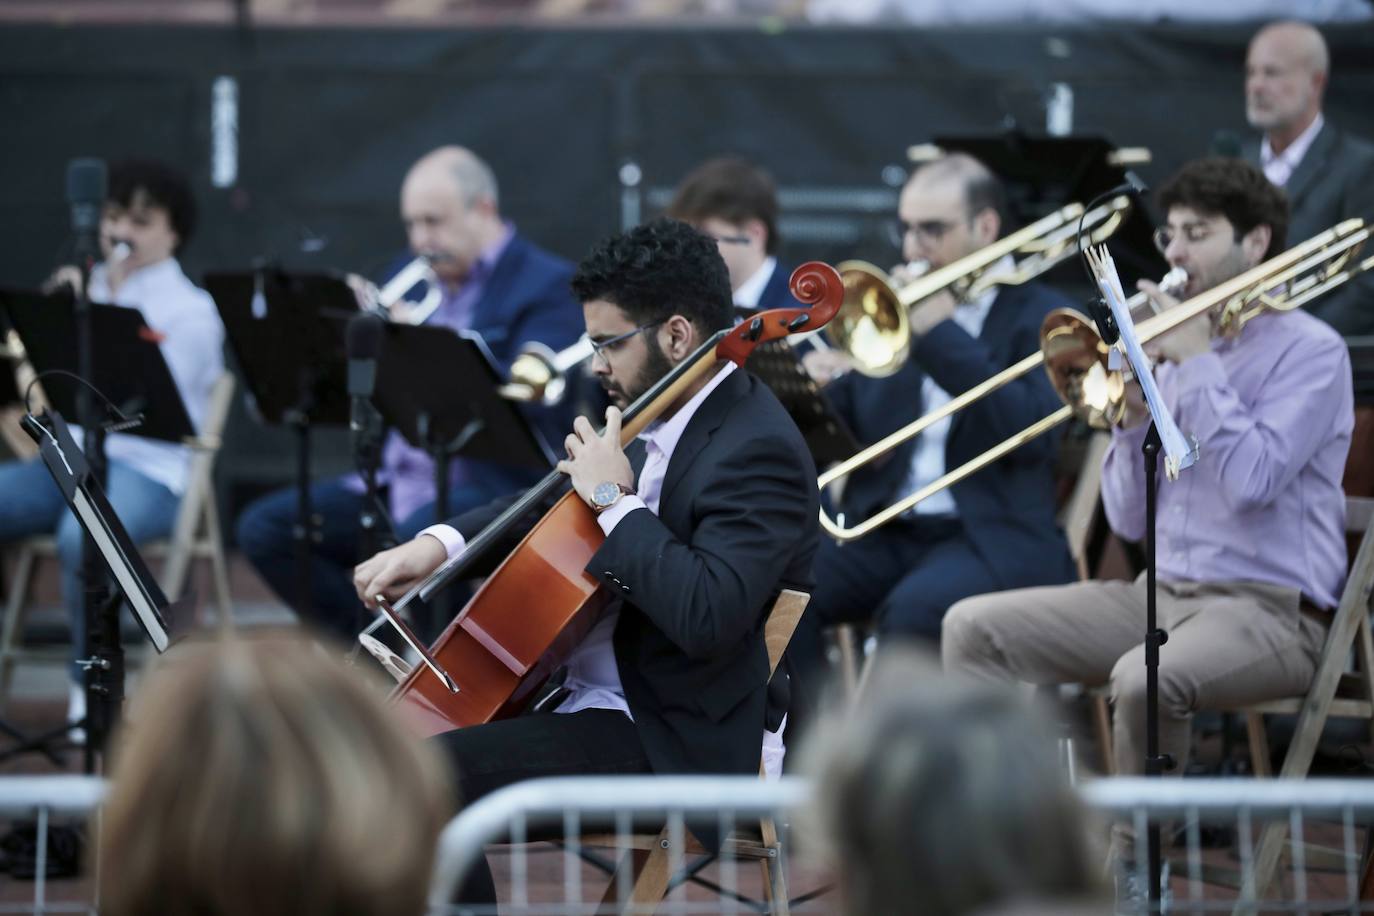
[42, 799]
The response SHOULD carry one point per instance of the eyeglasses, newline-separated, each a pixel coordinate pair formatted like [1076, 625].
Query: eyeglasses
[1193, 233]
[600, 348]
[931, 231]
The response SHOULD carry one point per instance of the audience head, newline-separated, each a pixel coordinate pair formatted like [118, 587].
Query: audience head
[450, 209]
[650, 296]
[736, 203]
[149, 207]
[1222, 217]
[950, 208]
[260, 776]
[939, 796]
[1286, 71]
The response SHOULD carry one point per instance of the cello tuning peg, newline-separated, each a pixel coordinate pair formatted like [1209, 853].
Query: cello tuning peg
[799, 322]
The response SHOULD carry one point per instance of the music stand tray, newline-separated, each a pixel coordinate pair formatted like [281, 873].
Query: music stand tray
[67, 464]
[439, 388]
[128, 364]
[827, 436]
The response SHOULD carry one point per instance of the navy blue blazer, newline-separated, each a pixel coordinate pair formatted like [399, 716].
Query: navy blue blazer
[1008, 508]
[526, 298]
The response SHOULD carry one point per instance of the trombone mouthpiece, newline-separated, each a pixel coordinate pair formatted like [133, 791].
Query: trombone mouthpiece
[1174, 281]
[120, 251]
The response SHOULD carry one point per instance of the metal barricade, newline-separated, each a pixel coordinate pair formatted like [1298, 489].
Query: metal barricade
[602, 820]
[1320, 828]
[44, 798]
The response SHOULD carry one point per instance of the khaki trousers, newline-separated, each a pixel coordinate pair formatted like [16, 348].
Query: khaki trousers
[1230, 643]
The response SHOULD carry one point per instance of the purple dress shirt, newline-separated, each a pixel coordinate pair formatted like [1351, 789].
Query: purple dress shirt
[1272, 413]
[410, 470]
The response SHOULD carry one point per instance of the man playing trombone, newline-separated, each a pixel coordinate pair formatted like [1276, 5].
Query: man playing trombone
[994, 530]
[493, 282]
[1251, 547]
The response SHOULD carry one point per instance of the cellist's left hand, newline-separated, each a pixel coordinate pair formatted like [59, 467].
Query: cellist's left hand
[594, 459]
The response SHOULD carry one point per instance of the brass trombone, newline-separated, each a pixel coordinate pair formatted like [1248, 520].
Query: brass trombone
[1076, 358]
[873, 326]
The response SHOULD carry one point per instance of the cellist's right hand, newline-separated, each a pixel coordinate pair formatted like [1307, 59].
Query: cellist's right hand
[392, 572]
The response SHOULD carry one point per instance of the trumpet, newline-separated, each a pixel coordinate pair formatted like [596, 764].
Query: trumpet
[873, 327]
[539, 375]
[420, 270]
[1076, 358]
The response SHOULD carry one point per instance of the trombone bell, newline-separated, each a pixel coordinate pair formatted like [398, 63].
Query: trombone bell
[1076, 362]
[871, 326]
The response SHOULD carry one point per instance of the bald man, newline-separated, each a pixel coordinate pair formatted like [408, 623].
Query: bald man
[496, 284]
[994, 530]
[1328, 174]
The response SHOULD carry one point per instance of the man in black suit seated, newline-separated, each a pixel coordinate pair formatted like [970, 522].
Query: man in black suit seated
[1327, 173]
[707, 515]
[736, 203]
[994, 530]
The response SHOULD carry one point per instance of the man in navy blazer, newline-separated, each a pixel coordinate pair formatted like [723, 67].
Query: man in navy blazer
[495, 283]
[994, 530]
[1327, 173]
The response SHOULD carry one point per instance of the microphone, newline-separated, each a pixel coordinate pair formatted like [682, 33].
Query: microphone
[363, 339]
[86, 186]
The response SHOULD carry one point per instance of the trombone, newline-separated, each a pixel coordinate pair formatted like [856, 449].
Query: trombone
[540, 376]
[1076, 358]
[873, 326]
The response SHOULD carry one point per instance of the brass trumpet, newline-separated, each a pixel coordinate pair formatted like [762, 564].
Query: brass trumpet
[872, 326]
[539, 375]
[1076, 358]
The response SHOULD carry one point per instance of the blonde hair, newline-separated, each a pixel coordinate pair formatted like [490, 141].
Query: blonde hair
[261, 776]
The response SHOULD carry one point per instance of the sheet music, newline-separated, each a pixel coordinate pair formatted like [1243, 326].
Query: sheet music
[1179, 451]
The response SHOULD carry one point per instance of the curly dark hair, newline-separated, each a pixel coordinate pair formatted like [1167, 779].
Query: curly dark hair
[1235, 189]
[729, 188]
[163, 185]
[659, 269]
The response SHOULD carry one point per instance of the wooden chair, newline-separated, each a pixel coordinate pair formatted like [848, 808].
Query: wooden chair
[650, 858]
[195, 536]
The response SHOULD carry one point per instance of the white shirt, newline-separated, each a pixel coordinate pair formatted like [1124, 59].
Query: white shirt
[193, 345]
[751, 290]
[928, 461]
[593, 679]
[1279, 167]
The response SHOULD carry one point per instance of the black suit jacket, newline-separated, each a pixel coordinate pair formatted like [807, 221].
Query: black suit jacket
[1007, 508]
[1334, 181]
[737, 522]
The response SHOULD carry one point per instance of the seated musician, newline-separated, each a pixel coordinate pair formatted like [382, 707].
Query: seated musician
[495, 283]
[1251, 549]
[997, 528]
[707, 515]
[736, 203]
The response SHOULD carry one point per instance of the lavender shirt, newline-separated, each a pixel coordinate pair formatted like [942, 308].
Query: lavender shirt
[1272, 412]
[410, 470]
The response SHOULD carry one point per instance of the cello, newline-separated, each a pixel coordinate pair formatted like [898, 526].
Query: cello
[539, 603]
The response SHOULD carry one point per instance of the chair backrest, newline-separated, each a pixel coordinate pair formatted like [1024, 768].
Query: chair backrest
[1078, 512]
[782, 623]
[200, 481]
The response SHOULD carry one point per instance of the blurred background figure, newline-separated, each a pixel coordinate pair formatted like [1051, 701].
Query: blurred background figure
[260, 776]
[940, 796]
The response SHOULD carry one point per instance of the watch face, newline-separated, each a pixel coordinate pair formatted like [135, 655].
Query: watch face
[605, 493]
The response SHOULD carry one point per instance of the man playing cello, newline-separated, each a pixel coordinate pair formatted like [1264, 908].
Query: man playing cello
[706, 515]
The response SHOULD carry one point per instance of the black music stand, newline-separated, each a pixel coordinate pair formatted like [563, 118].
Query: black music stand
[438, 388]
[135, 584]
[1043, 173]
[286, 332]
[827, 436]
[128, 368]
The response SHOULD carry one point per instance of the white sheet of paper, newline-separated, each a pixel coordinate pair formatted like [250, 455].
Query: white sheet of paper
[1179, 453]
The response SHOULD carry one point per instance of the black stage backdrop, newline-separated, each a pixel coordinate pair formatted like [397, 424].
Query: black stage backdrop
[587, 130]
